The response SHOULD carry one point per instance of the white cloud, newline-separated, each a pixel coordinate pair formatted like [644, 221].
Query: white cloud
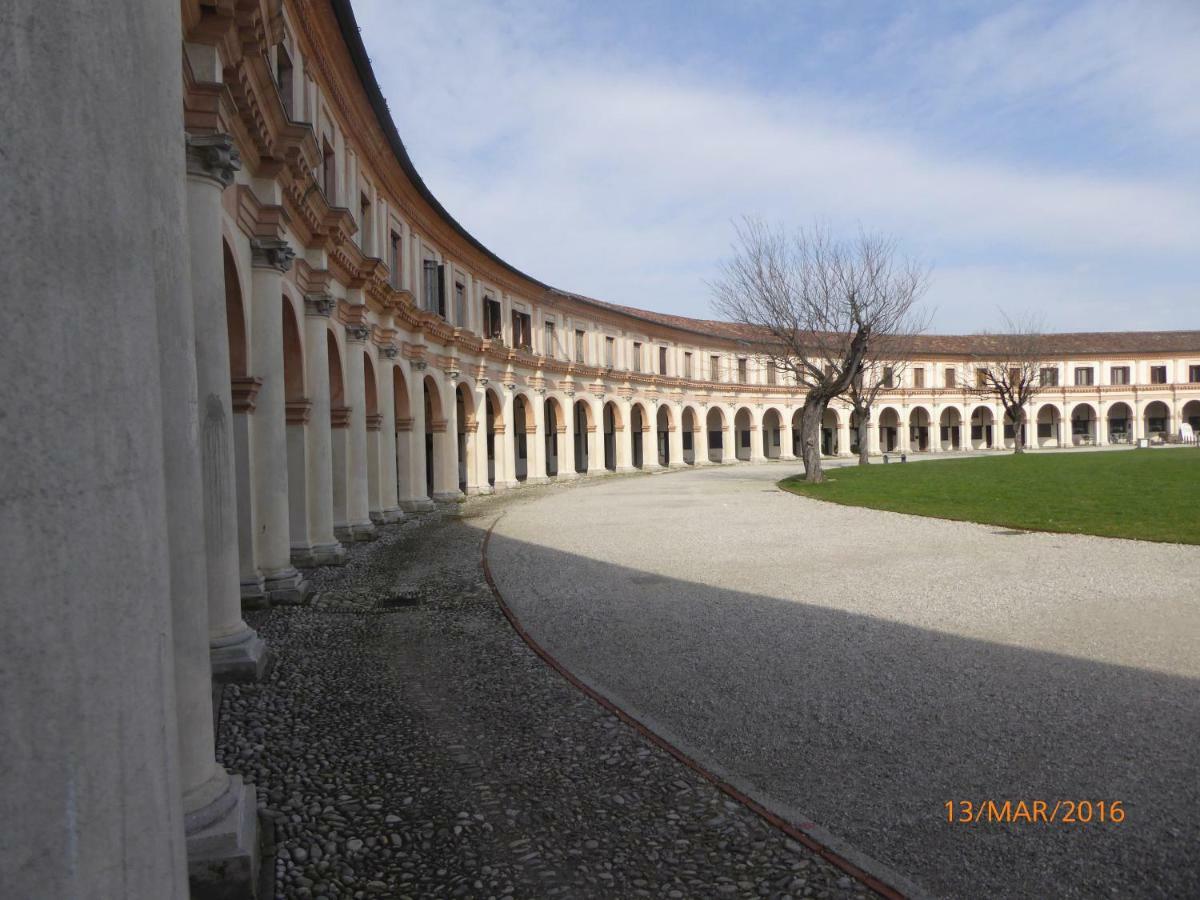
[618, 177]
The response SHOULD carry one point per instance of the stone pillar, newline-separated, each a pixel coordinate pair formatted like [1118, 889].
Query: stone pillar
[756, 440]
[675, 444]
[535, 447]
[509, 439]
[445, 447]
[358, 515]
[245, 395]
[272, 545]
[787, 441]
[237, 651]
[326, 548]
[843, 447]
[700, 440]
[729, 439]
[1101, 425]
[623, 436]
[873, 447]
[566, 439]
[418, 490]
[595, 441]
[388, 488]
[477, 477]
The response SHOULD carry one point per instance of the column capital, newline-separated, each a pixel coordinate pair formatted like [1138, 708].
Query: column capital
[319, 304]
[388, 351]
[272, 253]
[245, 392]
[213, 157]
[358, 333]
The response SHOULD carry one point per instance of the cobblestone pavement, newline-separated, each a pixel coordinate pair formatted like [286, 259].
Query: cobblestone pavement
[421, 750]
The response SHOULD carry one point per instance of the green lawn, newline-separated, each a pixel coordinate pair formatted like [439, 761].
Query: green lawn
[1152, 495]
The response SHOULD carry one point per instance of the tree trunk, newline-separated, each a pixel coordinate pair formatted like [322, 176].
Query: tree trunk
[810, 437]
[1018, 440]
[864, 435]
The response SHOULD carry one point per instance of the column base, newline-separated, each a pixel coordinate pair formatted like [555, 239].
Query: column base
[567, 476]
[534, 479]
[730, 462]
[304, 557]
[238, 657]
[419, 504]
[377, 517]
[392, 515]
[791, 457]
[677, 465]
[287, 586]
[623, 469]
[254, 596]
[845, 455]
[222, 845]
[329, 554]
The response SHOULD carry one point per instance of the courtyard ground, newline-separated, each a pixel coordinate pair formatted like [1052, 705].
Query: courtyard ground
[420, 749]
[1145, 494]
[860, 669]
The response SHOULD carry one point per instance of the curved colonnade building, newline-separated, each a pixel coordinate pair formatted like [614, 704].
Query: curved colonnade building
[312, 346]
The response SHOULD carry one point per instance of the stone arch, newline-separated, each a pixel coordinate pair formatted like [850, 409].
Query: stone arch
[235, 315]
[772, 433]
[689, 424]
[339, 421]
[743, 425]
[293, 356]
[950, 429]
[920, 428]
[829, 431]
[555, 429]
[983, 428]
[613, 426]
[403, 423]
[1190, 415]
[466, 426]
[714, 423]
[583, 430]
[890, 437]
[1156, 419]
[1083, 424]
[1120, 423]
[664, 424]
[522, 426]
[639, 424]
[1049, 427]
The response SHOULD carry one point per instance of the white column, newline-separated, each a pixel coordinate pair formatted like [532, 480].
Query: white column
[445, 448]
[1101, 424]
[595, 440]
[506, 462]
[388, 491]
[700, 446]
[873, 447]
[237, 651]
[566, 438]
[412, 450]
[756, 439]
[843, 436]
[327, 550]
[478, 475]
[535, 446]
[623, 436]
[358, 516]
[675, 442]
[269, 475]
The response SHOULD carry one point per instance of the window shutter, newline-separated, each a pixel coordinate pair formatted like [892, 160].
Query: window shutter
[441, 291]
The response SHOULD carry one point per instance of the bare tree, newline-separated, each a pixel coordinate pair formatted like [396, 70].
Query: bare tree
[1008, 368]
[813, 306]
[881, 369]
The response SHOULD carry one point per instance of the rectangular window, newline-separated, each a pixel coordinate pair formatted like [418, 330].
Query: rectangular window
[770, 373]
[889, 378]
[1014, 376]
[394, 258]
[1084, 376]
[687, 441]
[1193, 374]
[687, 365]
[549, 348]
[283, 78]
[951, 378]
[662, 360]
[1119, 375]
[580, 338]
[328, 172]
[610, 346]
[1158, 374]
[637, 356]
[714, 368]
[522, 328]
[430, 271]
[741, 370]
[460, 305]
[493, 326]
[1048, 377]
[365, 231]
[919, 377]
[981, 378]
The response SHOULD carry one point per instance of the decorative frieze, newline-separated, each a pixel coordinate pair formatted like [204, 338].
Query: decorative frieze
[272, 253]
[213, 156]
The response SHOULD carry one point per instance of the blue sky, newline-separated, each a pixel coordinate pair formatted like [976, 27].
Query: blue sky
[1040, 157]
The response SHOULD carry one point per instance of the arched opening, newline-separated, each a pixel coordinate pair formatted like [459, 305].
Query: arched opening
[918, 429]
[1157, 416]
[612, 426]
[495, 436]
[796, 416]
[296, 413]
[404, 435]
[339, 422]
[950, 429]
[1083, 425]
[1120, 424]
[464, 409]
[889, 430]
[554, 424]
[743, 422]
[663, 433]
[772, 434]
[1191, 415]
[374, 421]
[235, 316]
[1049, 427]
[829, 433]
[242, 391]
[714, 422]
[639, 424]
[435, 424]
[522, 419]
[584, 427]
[687, 422]
[982, 425]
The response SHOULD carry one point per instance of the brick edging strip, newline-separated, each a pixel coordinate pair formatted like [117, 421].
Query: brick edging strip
[771, 818]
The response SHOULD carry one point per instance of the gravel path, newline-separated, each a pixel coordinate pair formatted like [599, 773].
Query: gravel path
[867, 667]
[423, 751]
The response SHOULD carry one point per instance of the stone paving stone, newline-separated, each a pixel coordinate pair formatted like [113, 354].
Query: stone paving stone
[423, 751]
